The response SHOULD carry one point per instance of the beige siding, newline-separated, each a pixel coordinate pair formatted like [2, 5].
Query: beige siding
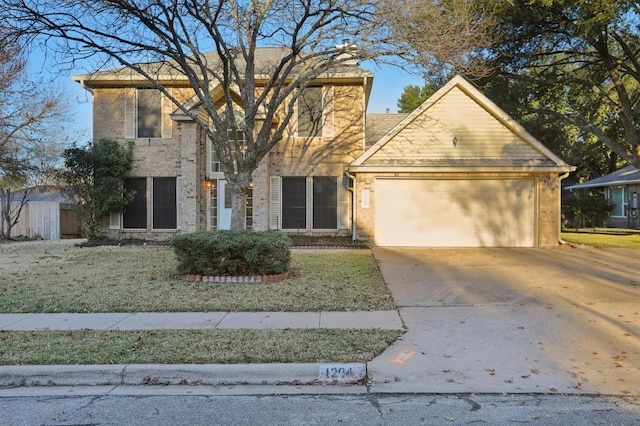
[324, 156]
[478, 135]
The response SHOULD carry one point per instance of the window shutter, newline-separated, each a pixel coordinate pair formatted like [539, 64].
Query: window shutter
[114, 220]
[167, 122]
[129, 113]
[274, 202]
[328, 119]
[343, 205]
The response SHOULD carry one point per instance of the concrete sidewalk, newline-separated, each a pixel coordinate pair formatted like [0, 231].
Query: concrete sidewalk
[387, 320]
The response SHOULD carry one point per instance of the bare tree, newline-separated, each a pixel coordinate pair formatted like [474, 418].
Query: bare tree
[11, 204]
[441, 37]
[27, 115]
[159, 37]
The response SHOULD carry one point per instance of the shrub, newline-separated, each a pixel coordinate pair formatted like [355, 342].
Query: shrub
[585, 208]
[232, 252]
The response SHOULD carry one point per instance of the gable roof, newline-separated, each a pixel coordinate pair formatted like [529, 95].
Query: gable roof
[626, 176]
[379, 124]
[265, 61]
[458, 128]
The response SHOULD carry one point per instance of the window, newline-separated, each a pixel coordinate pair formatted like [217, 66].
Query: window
[618, 198]
[215, 161]
[325, 203]
[165, 211]
[237, 137]
[318, 206]
[310, 112]
[294, 203]
[134, 215]
[213, 207]
[249, 208]
[149, 113]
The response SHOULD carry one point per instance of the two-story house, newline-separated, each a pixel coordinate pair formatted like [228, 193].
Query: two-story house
[456, 172]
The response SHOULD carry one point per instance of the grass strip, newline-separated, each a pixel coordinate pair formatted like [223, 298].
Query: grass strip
[604, 238]
[192, 346]
[51, 278]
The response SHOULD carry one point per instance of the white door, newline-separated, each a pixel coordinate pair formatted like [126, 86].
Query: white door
[219, 216]
[455, 212]
[224, 219]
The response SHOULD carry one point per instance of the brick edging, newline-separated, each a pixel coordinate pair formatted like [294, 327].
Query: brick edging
[236, 279]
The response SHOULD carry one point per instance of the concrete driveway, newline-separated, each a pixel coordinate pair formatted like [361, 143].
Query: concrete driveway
[558, 320]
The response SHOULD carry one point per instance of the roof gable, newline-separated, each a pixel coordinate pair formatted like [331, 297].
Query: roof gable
[458, 127]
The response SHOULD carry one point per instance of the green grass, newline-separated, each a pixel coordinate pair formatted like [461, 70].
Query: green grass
[604, 237]
[192, 346]
[59, 277]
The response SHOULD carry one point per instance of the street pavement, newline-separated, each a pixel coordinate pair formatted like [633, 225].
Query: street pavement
[547, 321]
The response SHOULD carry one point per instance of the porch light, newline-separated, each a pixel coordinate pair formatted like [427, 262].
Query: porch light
[209, 183]
[455, 141]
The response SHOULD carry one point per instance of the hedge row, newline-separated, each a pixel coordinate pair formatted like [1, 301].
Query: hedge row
[232, 252]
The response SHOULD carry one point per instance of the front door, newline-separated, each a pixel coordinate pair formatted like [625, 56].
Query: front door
[219, 205]
[224, 221]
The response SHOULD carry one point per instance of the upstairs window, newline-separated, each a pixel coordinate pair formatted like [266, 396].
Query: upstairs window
[149, 113]
[237, 137]
[310, 112]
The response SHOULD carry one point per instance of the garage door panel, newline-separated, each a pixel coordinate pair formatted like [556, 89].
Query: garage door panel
[455, 213]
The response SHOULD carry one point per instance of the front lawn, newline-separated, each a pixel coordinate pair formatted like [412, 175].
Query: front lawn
[192, 346]
[60, 277]
[604, 237]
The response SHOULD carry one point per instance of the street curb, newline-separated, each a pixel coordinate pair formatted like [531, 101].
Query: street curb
[180, 374]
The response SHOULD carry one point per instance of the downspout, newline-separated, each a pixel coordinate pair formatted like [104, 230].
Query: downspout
[354, 228]
[562, 177]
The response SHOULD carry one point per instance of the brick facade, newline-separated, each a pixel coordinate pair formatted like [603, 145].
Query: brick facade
[184, 155]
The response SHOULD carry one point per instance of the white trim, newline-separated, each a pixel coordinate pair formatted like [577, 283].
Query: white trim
[115, 220]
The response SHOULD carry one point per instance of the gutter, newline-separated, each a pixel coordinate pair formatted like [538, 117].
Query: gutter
[353, 191]
[84, 86]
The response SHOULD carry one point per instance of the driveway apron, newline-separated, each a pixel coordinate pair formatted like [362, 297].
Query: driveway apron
[555, 320]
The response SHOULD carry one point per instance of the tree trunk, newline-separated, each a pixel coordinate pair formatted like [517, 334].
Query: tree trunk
[238, 184]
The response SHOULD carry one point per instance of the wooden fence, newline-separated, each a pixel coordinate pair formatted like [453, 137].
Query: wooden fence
[47, 220]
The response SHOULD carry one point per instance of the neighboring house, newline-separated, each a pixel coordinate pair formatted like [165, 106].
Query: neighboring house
[621, 189]
[48, 214]
[456, 172]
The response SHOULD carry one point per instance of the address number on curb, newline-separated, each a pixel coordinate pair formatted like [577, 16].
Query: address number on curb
[342, 373]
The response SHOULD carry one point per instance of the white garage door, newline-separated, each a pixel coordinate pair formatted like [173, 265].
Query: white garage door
[455, 213]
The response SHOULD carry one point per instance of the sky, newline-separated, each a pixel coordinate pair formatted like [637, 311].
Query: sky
[388, 84]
